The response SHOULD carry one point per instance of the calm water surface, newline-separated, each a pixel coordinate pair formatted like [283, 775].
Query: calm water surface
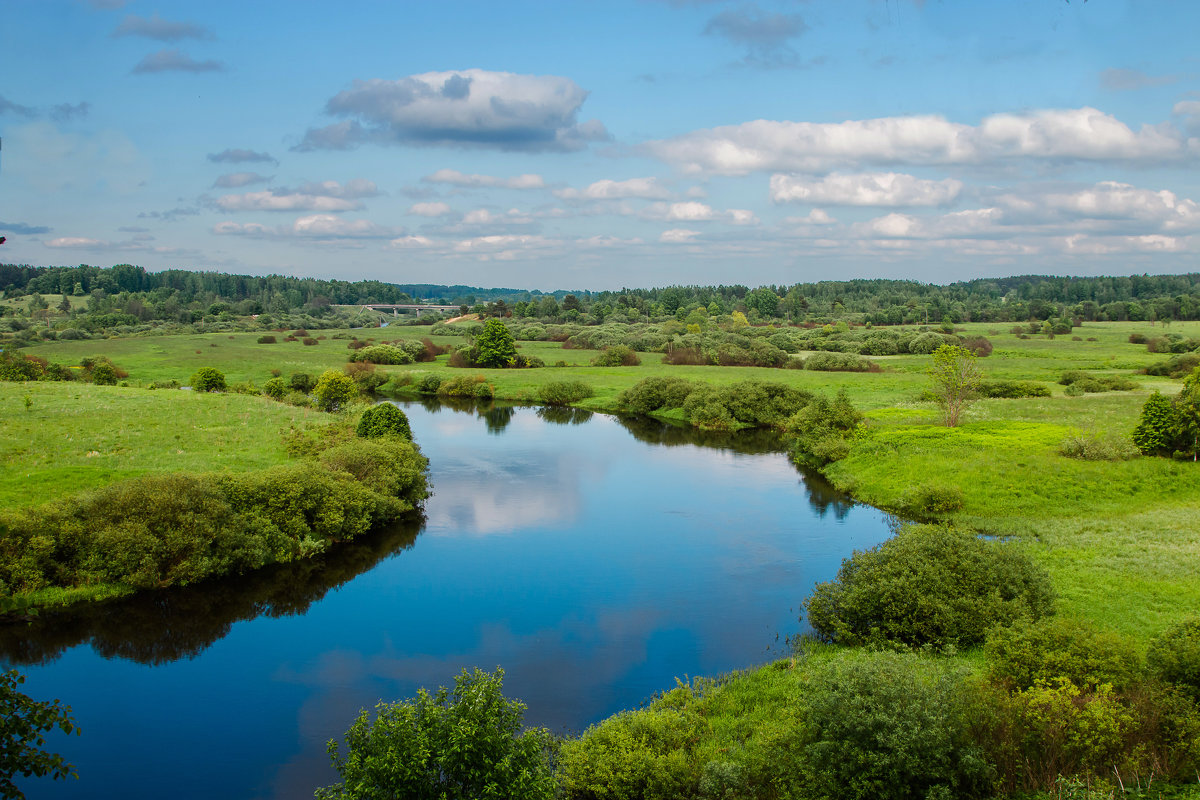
[595, 560]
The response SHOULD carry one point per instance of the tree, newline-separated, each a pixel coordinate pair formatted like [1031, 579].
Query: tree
[571, 303]
[23, 721]
[334, 389]
[208, 379]
[496, 345]
[956, 376]
[384, 419]
[465, 744]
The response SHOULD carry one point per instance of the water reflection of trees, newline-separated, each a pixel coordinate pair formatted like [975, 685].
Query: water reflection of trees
[564, 415]
[169, 624]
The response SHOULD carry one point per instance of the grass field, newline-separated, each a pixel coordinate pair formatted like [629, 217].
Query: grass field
[1119, 538]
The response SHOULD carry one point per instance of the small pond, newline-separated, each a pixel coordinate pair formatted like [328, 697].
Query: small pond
[594, 559]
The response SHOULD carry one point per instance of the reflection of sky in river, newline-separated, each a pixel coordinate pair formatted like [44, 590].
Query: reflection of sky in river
[592, 567]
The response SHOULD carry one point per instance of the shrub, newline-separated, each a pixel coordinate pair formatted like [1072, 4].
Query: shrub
[104, 374]
[208, 379]
[931, 500]
[309, 341]
[429, 384]
[384, 419]
[302, 382]
[635, 755]
[333, 390]
[466, 386]
[1156, 432]
[655, 394]
[382, 354]
[821, 428]
[1175, 366]
[1027, 653]
[1012, 389]
[928, 585]
[365, 376]
[494, 345]
[561, 393]
[275, 388]
[979, 345]
[267, 339]
[171, 384]
[1174, 656]
[926, 343]
[616, 356]
[890, 725]
[1091, 446]
[1137, 338]
[839, 362]
[460, 744]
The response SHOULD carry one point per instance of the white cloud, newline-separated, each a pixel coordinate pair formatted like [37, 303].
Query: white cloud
[465, 108]
[864, 189]
[456, 178]
[411, 242]
[694, 211]
[430, 209]
[1120, 201]
[76, 241]
[325, 226]
[236, 180]
[678, 236]
[645, 188]
[270, 201]
[1057, 134]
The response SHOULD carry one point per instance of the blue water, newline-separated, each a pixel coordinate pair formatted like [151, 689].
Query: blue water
[593, 561]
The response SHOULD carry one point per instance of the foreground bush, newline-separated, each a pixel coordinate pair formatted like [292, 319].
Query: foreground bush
[465, 744]
[561, 393]
[1052, 649]
[822, 429]
[208, 379]
[890, 725]
[928, 585]
[1174, 656]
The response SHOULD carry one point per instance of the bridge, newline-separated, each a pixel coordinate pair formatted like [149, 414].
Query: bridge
[398, 308]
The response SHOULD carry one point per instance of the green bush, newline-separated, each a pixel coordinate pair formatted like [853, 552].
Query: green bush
[616, 356]
[382, 354]
[266, 339]
[1174, 656]
[1012, 389]
[561, 393]
[302, 382]
[928, 585]
[105, 374]
[333, 390]
[635, 755]
[821, 429]
[929, 500]
[655, 394]
[1027, 653]
[839, 362]
[464, 744]
[466, 386]
[384, 419]
[275, 388]
[429, 384]
[1091, 446]
[890, 725]
[208, 379]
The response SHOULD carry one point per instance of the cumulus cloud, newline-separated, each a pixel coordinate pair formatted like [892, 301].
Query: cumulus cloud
[171, 60]
[236, 180]
[1110, 200]
[1083, 134]
[678, 236]
[693, 211]
[456, 178]
[326, 196]
[155, 27]
[322, 226]
[864, 189]
[504, 247]
[138, 244]
[411, 242]
[646, 188]
[430, 209]
[236, 155]
[764, 35]
[467, 108]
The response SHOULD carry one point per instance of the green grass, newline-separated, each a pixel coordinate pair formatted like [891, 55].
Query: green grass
[75, 436]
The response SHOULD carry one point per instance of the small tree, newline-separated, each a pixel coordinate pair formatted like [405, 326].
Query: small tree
[384, 419]
[208, 379]
[23, 721]
[455, 745]
[496, 345]
[334, 389]
[956, 376]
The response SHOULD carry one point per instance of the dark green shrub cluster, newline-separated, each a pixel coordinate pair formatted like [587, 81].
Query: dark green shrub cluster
[384, 419]
[1028, 653]
[839, 362]
[175, 529]
[468, 743]
[208, 379]
[171, 384]
[382, 354]
[928, 585]
[821, 431]
[1079, 382]
[617, 355]
[275, 388]
[1172, 343]
[429, 384]
[301, 382]
[467, 386]
[1012, 389]
[561, 393]
[1175, 366]
[741, 404]
[931, 500]
[1171, 426]
[267, 339]
[1174, 656]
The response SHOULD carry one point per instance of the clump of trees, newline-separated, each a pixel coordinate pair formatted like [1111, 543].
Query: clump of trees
[1171, 426]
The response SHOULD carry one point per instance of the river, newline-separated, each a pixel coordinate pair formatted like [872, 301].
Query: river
[594, 559]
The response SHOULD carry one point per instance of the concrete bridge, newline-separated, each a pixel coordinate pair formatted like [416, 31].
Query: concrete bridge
[398, 308]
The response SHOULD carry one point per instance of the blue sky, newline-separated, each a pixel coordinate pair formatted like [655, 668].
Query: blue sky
[597, 145]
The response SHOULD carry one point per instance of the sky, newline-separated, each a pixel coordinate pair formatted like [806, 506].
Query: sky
[603, 144]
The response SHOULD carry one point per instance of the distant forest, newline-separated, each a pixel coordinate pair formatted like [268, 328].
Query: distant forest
[175, 294]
